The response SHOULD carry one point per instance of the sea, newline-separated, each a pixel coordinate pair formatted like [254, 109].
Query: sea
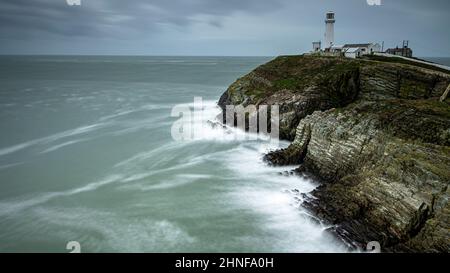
[88, 156]
[438, 60]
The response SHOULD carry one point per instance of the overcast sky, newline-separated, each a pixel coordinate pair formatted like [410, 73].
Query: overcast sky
[216, 27]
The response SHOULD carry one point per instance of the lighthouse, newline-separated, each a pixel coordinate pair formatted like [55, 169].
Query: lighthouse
[329, 33]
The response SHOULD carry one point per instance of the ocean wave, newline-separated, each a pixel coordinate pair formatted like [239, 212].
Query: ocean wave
[109, 231]
[147, 107]
[52, 138]
[169, 183]
[19, 204]
[163, 150]
[284, 219]
[109, 120]
[2, 167]
[62, 145]
[134, 174]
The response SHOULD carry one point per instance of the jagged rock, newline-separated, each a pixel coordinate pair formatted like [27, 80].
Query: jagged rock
[375, 133]
[381, 185]
[300, 85]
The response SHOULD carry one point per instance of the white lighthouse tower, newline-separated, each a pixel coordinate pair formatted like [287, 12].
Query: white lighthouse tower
[329, 34]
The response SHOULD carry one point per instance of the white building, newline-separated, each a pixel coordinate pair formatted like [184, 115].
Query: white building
[317, 46]
[336, 49]
[365, 49]
[348, 50]
[329, 32]
[352, 52]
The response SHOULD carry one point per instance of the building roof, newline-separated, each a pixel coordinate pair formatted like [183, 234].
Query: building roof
[337, 47]
[357, 45]
[352, 50]
[398, 49]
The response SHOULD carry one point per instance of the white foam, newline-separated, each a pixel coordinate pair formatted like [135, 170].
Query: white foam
[62, 145]
[262, 189]
[147, 107]
[52, 138]
[283, 221]
[17, 147]
[17, 205]
[130, 127]
[205, 126]
[118, 232]
[10, 165]
[174, 182]
[132, 167]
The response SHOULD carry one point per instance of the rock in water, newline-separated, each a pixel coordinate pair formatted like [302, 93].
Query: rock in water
[376, 134]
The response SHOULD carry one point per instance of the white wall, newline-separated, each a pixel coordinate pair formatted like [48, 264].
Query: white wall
[329, 35]
[351, 55]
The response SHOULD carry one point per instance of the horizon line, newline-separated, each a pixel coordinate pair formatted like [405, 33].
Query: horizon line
[175, 55]
[142, 55]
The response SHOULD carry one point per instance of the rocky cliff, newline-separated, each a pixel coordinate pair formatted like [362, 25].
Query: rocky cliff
[375, 133]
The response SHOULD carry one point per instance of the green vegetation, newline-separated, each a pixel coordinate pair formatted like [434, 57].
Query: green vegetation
[288, 83]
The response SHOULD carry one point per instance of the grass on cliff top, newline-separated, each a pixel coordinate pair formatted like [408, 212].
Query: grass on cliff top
[403, 61]
[305, 73]
[297, 72]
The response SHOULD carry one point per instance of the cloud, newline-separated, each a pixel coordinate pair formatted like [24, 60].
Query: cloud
[103, 17]
[218, 27]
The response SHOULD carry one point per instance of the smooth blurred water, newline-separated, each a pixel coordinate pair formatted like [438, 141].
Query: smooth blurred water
[86, 155]
[438, 60]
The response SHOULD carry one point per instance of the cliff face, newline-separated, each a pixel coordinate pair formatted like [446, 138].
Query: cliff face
[299, 85]
[375, 133]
